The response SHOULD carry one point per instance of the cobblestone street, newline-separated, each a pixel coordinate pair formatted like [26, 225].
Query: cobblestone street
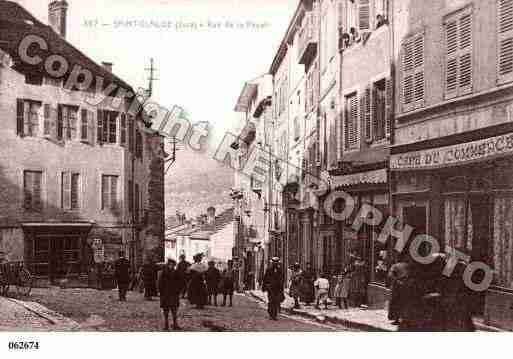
[101, 311]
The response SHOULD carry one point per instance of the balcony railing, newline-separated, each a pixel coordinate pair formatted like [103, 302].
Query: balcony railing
[307, 39]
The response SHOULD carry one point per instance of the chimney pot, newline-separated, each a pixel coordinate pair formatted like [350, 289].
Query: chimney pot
[57, 16]
[107, 66]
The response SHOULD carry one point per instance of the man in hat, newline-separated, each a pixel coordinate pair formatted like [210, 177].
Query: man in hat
[122, 275]
[213, 277]
[273, 285]
[170, 286]
[183, 267]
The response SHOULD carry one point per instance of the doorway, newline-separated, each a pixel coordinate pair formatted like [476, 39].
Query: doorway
[57, 255]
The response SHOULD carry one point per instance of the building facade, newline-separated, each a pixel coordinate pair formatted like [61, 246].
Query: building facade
[72, 173]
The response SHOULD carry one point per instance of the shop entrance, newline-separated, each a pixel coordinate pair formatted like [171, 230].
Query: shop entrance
[416, 217]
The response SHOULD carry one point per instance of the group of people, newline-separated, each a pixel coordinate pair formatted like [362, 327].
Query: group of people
[199, 283]
[425, 299]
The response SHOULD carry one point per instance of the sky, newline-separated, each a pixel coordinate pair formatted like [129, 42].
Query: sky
[202, 69]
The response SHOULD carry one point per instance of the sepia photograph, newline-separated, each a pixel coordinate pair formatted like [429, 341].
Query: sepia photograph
[255, 166]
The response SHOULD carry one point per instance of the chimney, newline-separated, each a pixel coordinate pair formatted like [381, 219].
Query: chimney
[107, 66]
[211, 215]
[57, 10]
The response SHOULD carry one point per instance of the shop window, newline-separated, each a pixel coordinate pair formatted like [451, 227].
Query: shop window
[41, 256]
[503, 242]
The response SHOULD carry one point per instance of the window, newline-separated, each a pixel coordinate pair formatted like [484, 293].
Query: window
[109, 192]
[107, 126]
[505, 37]
[138, 144]
[67, 122]
[84, 125]
[32, 187]
[413, 73]
[458, 62]
[34, 79]
[48, 120]
[28, 113]
[351, 122]
[70, 191]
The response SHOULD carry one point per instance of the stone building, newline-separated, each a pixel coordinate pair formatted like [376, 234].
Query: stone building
[72, 171]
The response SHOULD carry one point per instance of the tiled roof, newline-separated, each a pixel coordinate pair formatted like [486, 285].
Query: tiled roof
[17, 23]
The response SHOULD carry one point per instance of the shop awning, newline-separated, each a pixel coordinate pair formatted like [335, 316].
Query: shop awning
[369, 177]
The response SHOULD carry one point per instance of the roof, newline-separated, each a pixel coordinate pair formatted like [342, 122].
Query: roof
[16, 23]
[291, 30]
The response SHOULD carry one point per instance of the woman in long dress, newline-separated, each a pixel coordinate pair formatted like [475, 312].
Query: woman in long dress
[197, 292]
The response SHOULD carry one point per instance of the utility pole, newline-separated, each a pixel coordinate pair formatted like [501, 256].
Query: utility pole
[152, 70]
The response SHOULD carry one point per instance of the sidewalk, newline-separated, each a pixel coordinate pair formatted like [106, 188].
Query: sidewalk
[16, 316]
[375, 320]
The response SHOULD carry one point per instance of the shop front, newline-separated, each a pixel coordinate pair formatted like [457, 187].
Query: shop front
[461, 193]
[361, 246]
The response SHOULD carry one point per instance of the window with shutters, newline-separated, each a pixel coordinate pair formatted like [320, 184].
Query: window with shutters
[413, 73]
[70, 191]
[459, 55]
[351, 123]
[67, 122]
[32, 190]
[110, 192]
[28, 117]
[505, 38]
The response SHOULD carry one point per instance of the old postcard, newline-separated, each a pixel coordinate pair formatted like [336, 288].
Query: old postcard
[255, 166]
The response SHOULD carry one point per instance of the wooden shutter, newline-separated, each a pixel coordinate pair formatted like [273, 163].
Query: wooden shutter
[84, 125]
[66, 190]
[75, 190]
[114, 192]
[367, 114]
[364, 15]
[505, 37]
[47, 113]
[389, 106]
[20, 111]
[27, 190]
[90, 125]
[458, 68]
[413, 73]
[105, 192]
[99, 127]
[59, 123]
[122, 136]
[37, 178]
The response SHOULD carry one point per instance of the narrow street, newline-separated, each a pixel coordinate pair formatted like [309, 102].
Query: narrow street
[101, 311]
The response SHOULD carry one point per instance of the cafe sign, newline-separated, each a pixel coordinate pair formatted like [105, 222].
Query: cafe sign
[454, 155]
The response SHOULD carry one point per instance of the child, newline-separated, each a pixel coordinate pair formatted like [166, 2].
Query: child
[322, 285]
[342, 289]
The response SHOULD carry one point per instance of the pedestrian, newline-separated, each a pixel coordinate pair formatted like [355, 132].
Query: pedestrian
[213, 277]
[342, 290]
[295, 284]
[307, 285]
[197, 291]
[122, 275]
[227, 283]
[149, 273]
[397, 274]
[273, 285]
[170, 284]
[322, 285]
[182, 268]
